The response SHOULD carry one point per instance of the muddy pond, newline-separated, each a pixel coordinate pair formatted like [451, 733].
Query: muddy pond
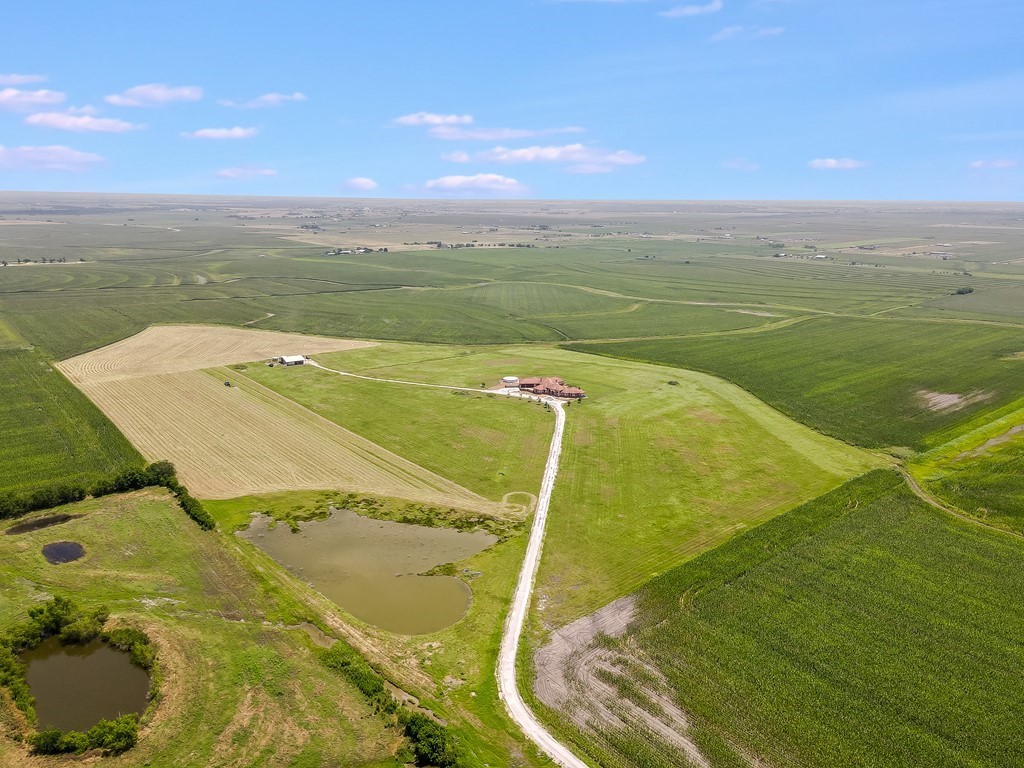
[369, 567]
[60, 552]
[76, 686]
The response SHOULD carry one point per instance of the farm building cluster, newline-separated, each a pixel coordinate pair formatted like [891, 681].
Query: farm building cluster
[551, 386]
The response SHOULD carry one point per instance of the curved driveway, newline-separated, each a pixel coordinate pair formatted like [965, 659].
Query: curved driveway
[516, 619]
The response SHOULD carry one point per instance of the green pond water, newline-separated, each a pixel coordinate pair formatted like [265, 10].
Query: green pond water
[369, 567]
[76, 686]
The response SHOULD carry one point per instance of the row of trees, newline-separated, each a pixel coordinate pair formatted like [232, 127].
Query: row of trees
[431, 742]
[160, 473]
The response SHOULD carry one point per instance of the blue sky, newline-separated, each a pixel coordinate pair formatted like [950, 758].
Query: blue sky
[599, 99]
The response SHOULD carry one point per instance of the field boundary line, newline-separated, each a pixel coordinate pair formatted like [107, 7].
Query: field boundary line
[933, 501]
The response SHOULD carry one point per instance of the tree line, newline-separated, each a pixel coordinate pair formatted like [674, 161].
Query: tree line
[159, 474]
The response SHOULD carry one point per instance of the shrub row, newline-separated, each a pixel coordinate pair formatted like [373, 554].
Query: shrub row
[112, 736]
[160, 473]
[432, 743]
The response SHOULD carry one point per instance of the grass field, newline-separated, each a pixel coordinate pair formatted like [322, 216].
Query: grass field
[51, 432]
[864, 628]
[239, 689]
[652, 473]
[863, 381]
[489, 445]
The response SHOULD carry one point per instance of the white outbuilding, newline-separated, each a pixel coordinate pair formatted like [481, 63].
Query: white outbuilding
[292, 360]
[510, 381]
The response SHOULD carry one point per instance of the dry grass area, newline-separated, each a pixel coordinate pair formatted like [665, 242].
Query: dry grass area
[245, 439]
[175, 348]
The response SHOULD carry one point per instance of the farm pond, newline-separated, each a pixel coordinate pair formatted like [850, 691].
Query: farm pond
[76, 686]
[372, 568]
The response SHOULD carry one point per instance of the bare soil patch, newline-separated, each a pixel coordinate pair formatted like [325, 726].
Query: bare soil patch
[940, 401]
[573, 674]
[175, 348]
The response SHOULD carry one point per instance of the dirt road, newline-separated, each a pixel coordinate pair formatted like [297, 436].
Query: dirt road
[510, 639]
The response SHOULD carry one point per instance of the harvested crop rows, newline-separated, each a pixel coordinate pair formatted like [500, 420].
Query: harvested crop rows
[233, 441]
[174, 348]
[243, 439]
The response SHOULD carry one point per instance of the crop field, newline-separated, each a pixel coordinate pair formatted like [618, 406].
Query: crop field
[51, 432]
[262, 697]
[491, 446]
[652, 473]
[864, 381]
[864, 628]
[176, 348]
[244, 439]
[861, 628]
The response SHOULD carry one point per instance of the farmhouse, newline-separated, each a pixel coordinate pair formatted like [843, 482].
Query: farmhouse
[292, 360]
[550, 386]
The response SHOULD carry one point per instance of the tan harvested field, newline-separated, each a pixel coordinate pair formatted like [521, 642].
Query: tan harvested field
[241, 440]
[175, 348]
[245, 439]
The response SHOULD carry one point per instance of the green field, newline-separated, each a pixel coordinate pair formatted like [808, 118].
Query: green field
[262, 697]
[51, 432]
[734, 354]
[856, 379]
[490, 445]
[651, 474]
[864, 628]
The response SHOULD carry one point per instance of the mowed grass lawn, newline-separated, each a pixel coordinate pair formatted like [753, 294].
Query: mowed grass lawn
[50, 431]
[237, 691]
[865, 628]
[651, 473]
[491, 445]
[857, 379]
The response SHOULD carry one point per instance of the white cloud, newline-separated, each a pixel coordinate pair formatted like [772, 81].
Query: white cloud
[15, 79]
[455, 133]
[836, 164]
[221, 133]
[266, 100]
[16, 100]
[581, 158]
[155, 94]
[456, 157]
[741, 164]
[67, 121]
[726, 33]
[245, 173]
[481, 183]
[363, 183]
[683, 11]
[995, 164]
[731, 33]
[432, 118]
[51, 158]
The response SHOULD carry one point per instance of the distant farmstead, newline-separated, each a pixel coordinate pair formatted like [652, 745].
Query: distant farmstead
[550, 386]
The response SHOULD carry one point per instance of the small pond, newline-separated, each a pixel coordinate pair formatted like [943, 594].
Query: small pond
[76, 686]
[39, 523]
[369, 567]
[58, 552]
